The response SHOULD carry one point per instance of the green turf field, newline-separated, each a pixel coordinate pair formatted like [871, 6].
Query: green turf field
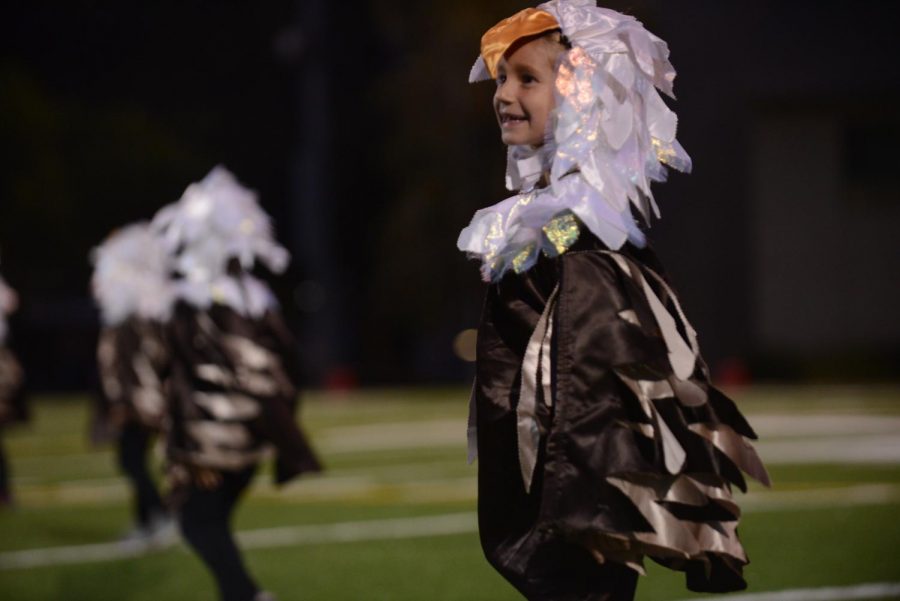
[397, 474]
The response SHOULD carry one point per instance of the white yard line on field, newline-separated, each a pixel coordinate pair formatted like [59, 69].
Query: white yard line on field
[819, 498]
[769, 425]
[874, 590]
[308, 490]
[868, 448]
[425, 526]
[812, 437]
[345, 532]
[342, 488]
[342, 532]
[785, 438]
[55, 556]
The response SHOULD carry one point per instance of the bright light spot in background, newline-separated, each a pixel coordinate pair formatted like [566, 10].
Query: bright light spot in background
[464, 344]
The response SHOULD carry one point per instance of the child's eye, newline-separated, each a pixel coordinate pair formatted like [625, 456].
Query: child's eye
[526, 78]
[501, 78]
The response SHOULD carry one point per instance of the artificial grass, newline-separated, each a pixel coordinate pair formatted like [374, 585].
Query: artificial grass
[61, 480]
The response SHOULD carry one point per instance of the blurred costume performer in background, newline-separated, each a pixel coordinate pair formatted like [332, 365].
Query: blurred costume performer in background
[233, 397]
[133, 289]
[599, 436]
[12, 392]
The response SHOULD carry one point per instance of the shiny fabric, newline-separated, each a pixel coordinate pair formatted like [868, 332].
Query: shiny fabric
[536, 380]
[497, 40]
[624, 468]
[132, 361]
[233, 395]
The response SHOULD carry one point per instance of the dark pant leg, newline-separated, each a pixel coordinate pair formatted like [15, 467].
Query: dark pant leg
[205, 521]
[132, 449]
[561, 571]
[616, 582]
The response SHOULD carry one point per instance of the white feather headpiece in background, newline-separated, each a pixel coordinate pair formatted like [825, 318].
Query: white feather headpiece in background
[132, 276]
[217, 220]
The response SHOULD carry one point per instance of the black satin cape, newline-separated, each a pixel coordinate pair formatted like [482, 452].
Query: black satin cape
[233, 393]
[132, 362]
[598, 470]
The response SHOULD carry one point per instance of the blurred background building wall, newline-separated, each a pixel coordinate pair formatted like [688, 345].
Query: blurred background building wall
[825, 228]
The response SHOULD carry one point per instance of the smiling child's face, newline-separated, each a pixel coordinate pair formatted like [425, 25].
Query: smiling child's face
[524, 96]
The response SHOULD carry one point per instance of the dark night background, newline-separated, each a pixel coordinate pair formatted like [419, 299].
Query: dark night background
[356, 125]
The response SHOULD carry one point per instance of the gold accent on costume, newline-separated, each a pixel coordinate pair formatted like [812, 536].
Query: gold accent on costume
[562, 231]
[519, 261]
[497, 40]
[498, 228]
[664, 152]
[217, 294]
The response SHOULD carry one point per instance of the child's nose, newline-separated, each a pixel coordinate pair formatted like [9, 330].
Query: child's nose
[503, 93]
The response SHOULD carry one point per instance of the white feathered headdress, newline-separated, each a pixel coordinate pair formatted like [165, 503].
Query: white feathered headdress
[217, 220]
[611, 136]
[132, 276]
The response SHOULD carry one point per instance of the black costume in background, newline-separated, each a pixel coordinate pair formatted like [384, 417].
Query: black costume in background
[601, 458]
[232, 401]
[12, 410]
[132, 359]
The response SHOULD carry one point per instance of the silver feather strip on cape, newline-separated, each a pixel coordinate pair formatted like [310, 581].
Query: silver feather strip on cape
[671, 537]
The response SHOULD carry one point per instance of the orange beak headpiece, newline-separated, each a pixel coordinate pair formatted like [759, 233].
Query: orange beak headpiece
[498, 39]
